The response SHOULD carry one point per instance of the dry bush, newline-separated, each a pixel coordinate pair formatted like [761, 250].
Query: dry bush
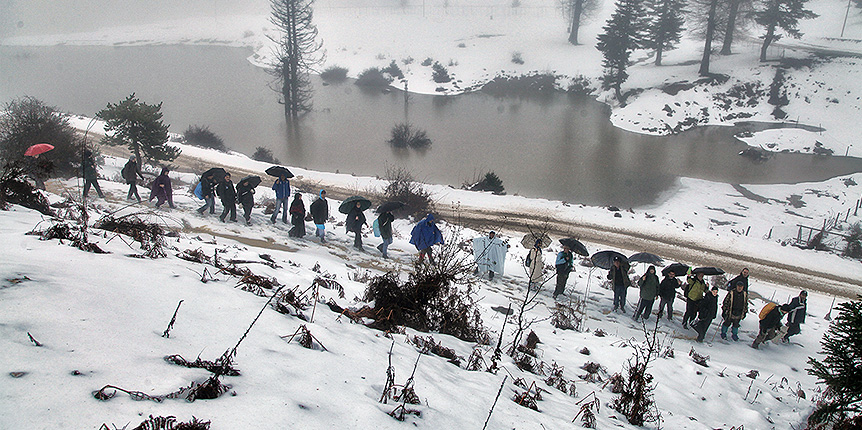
[427, 345]
[151, 236]
[16, 190]
[403, 187]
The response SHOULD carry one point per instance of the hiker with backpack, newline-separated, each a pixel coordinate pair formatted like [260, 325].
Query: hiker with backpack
[130, 173]
[207, 185]
[734, 308]
[770, 323]
[667, 294]
[796, 310]
[383, 225]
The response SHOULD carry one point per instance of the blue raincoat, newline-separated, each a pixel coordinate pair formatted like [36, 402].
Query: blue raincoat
[425, 234]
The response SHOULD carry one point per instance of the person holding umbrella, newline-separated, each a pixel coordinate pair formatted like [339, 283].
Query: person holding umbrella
[131, 171]
[38, 167]
[535, 262]
[297, 216]
[565, 264]
[693, 295]
[667, 293]
[425, 235]
[162, 189]
[354, 222]
[281, 186]
[245, 195]
[207, 192]
[620, 282]
[91, 174]
[648, 284]
[384, 224]
[319, 214]
[227, 195]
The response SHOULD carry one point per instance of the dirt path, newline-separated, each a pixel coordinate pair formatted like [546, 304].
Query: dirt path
[671, 248]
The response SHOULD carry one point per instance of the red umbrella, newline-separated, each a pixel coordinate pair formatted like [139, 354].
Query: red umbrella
[39, 148]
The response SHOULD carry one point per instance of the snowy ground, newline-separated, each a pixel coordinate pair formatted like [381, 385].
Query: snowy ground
[99, 319]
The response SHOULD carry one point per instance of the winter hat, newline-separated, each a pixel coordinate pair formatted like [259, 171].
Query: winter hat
[738, 283]
[715, 288]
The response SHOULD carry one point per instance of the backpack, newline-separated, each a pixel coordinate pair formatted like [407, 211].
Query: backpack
[528, 261]
[376, 227]
[199, 193]
[766, 310]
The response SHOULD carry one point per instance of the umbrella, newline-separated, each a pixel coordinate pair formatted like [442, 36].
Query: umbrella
[575, 245]
[530, 239]
[678, 269]
[605, 259]
[279, 171]
[389, 207]
[217, 172]
[350, 202]
[646, 257]
[247, 183]
[39, 148]
[708, 271]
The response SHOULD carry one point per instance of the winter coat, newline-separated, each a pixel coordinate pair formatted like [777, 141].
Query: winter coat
[425, 234]
[246, 197]
[164, 191]
[297, 207]
[207, 186]
[130, 172]
[735, 305]
[89, 168]
[708, 307]
[536, 265]
[732, 284]
[696, 288]
[667, 288]
[565, 262]
[355, 220]
[619, 276]
[795, 311]
[319, 210]
[384, 223]
[772, 319]
[282, 189]
[649, 286]
[226, 191]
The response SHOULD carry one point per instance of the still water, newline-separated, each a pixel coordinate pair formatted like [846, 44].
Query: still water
[556, 146]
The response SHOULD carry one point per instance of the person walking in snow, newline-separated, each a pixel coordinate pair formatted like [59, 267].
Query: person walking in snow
[281, 186]
[245, 197]
[490, 254]
[620, 282]
[131, 171]
[319, 214]
[161, 190]
[770, 323]
[535, 264]
[648, 284]
[227, 194]
[734, 308]
[796, 310]
[706, 311]
[208, 194]
[297, 216]
[425, 235]
[91, 174]
[564, 264]
[384, 224]
[667, 294]
[354, 222]
[694, 293]
[742, 277]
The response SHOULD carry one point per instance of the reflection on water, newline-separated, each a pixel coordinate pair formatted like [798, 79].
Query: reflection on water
[554, 146]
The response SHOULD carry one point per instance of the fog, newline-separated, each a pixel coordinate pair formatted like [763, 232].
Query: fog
[32, 17]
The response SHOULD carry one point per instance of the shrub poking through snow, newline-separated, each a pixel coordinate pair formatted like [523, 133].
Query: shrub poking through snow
[427, 345]
[400, 393]
[586, 413]
[202, 136]
[15, 189]
[150, 235]
[334, 74]
[402, 187]
[439, 73]
[529, 398]
[702, 360]
[304, 337]
[565, 317]
[170, 423]
[490, 182]
[635, 399]
[211, 366]
[557, 380]
[373, 78]
[405, 135]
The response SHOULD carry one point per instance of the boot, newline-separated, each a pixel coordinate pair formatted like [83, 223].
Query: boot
[724, 332]
[734, 334]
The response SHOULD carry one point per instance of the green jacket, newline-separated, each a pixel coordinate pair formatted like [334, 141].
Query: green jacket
[696, 288]
[649, 286]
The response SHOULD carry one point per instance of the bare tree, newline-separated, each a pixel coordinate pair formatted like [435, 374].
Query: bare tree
[577, 11]
[297, 52]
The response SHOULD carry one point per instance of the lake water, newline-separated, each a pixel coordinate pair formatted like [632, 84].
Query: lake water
[557, 146]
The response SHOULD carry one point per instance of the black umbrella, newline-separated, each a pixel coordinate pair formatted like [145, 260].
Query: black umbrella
[605, 259]
[575, 245]
[217, 172]
[247, 183]
[279, 171]
[350, 202]
[708, 271]
[646, 257]
[678, 269]
[389, 207]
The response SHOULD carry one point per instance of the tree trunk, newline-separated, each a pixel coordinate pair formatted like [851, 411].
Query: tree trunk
[658, 56]
[577, 10]
[619, 95]
[707, 46]
[731, 26]
[770, 35]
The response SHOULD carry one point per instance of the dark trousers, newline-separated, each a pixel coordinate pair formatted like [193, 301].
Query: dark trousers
[357, 239]
[645, 307]
[246, 210]
[229, 209]
[426, 251]
[298, 229]
[691, 307]
[562, 278]
[133, 191]
[95, 183]
[701, 327]
[666, 302]
[792, 329]
[620, 297]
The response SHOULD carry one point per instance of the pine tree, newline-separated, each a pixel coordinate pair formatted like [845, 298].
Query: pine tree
[710, 34]
[730, 26]
[781, 15]
[666, 26]
[138, 125]
[623, 33]
[841, 369]
[297, 52]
